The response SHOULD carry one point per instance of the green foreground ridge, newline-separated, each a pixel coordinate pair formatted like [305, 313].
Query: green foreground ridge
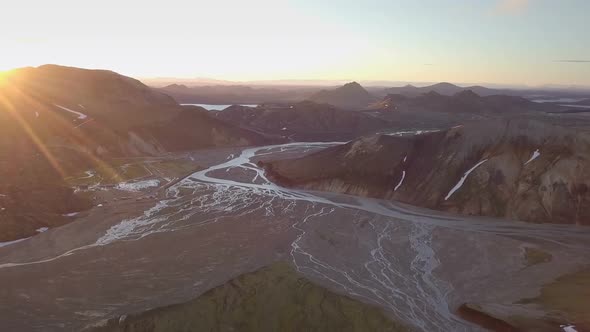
[274, 298]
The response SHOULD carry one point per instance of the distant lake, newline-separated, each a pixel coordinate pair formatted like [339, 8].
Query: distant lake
[577, 106]
[558, 100]
[211, 107]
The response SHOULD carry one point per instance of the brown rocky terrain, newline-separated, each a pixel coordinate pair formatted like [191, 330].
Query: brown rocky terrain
[274, 298]
[303, 121]
[525, 170]
[57, 121]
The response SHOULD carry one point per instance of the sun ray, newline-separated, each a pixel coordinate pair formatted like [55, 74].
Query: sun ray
[4, 101]
[70, 131]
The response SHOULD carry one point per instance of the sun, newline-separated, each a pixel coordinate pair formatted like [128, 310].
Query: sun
[4, 76]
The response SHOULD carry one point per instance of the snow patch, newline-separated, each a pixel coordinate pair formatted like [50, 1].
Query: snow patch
[569, 328]
[89, 174]
[42, 229]
[577, 106]
[411, 132]
[401, 180]
[405, 158]
[4, 244]
[462, 180]
[81, 116]
[138, 186]
[73, 214]
[535, 155]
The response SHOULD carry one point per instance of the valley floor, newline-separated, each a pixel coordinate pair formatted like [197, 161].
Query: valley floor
[166, 244]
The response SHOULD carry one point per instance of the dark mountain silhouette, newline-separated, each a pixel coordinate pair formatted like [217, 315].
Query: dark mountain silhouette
[351, 96]
[303, 121]
[448, 89]
[464, 101]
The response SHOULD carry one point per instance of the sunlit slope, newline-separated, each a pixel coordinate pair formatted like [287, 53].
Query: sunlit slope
[58, 121]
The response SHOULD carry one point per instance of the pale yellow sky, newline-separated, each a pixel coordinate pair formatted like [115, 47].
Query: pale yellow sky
[506, 41]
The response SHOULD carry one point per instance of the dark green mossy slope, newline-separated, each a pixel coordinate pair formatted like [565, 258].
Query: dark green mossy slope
[274, 298]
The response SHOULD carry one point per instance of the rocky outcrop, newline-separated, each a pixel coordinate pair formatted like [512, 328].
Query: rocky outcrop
[475, 315]
[274, 298]
[564, 302]
[513, 169]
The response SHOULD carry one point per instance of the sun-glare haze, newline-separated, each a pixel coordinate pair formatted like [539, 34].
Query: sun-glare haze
[531, 42]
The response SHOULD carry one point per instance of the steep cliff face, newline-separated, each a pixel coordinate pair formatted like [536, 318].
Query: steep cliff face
[271, 299]
[522, 170]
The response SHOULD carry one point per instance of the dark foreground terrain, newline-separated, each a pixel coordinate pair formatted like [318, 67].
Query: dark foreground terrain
[270, 299]
[173, 244]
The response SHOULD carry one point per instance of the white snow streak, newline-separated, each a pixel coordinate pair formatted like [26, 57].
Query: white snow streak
[4, 244]
[535, 155]
[569, 328]
[411, 132]
[400, 181]
[81, 116]
[462, 180]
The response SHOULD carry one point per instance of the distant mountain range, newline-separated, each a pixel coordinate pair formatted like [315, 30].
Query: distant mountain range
[463, 101]
[449, 89]
[350, 96]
